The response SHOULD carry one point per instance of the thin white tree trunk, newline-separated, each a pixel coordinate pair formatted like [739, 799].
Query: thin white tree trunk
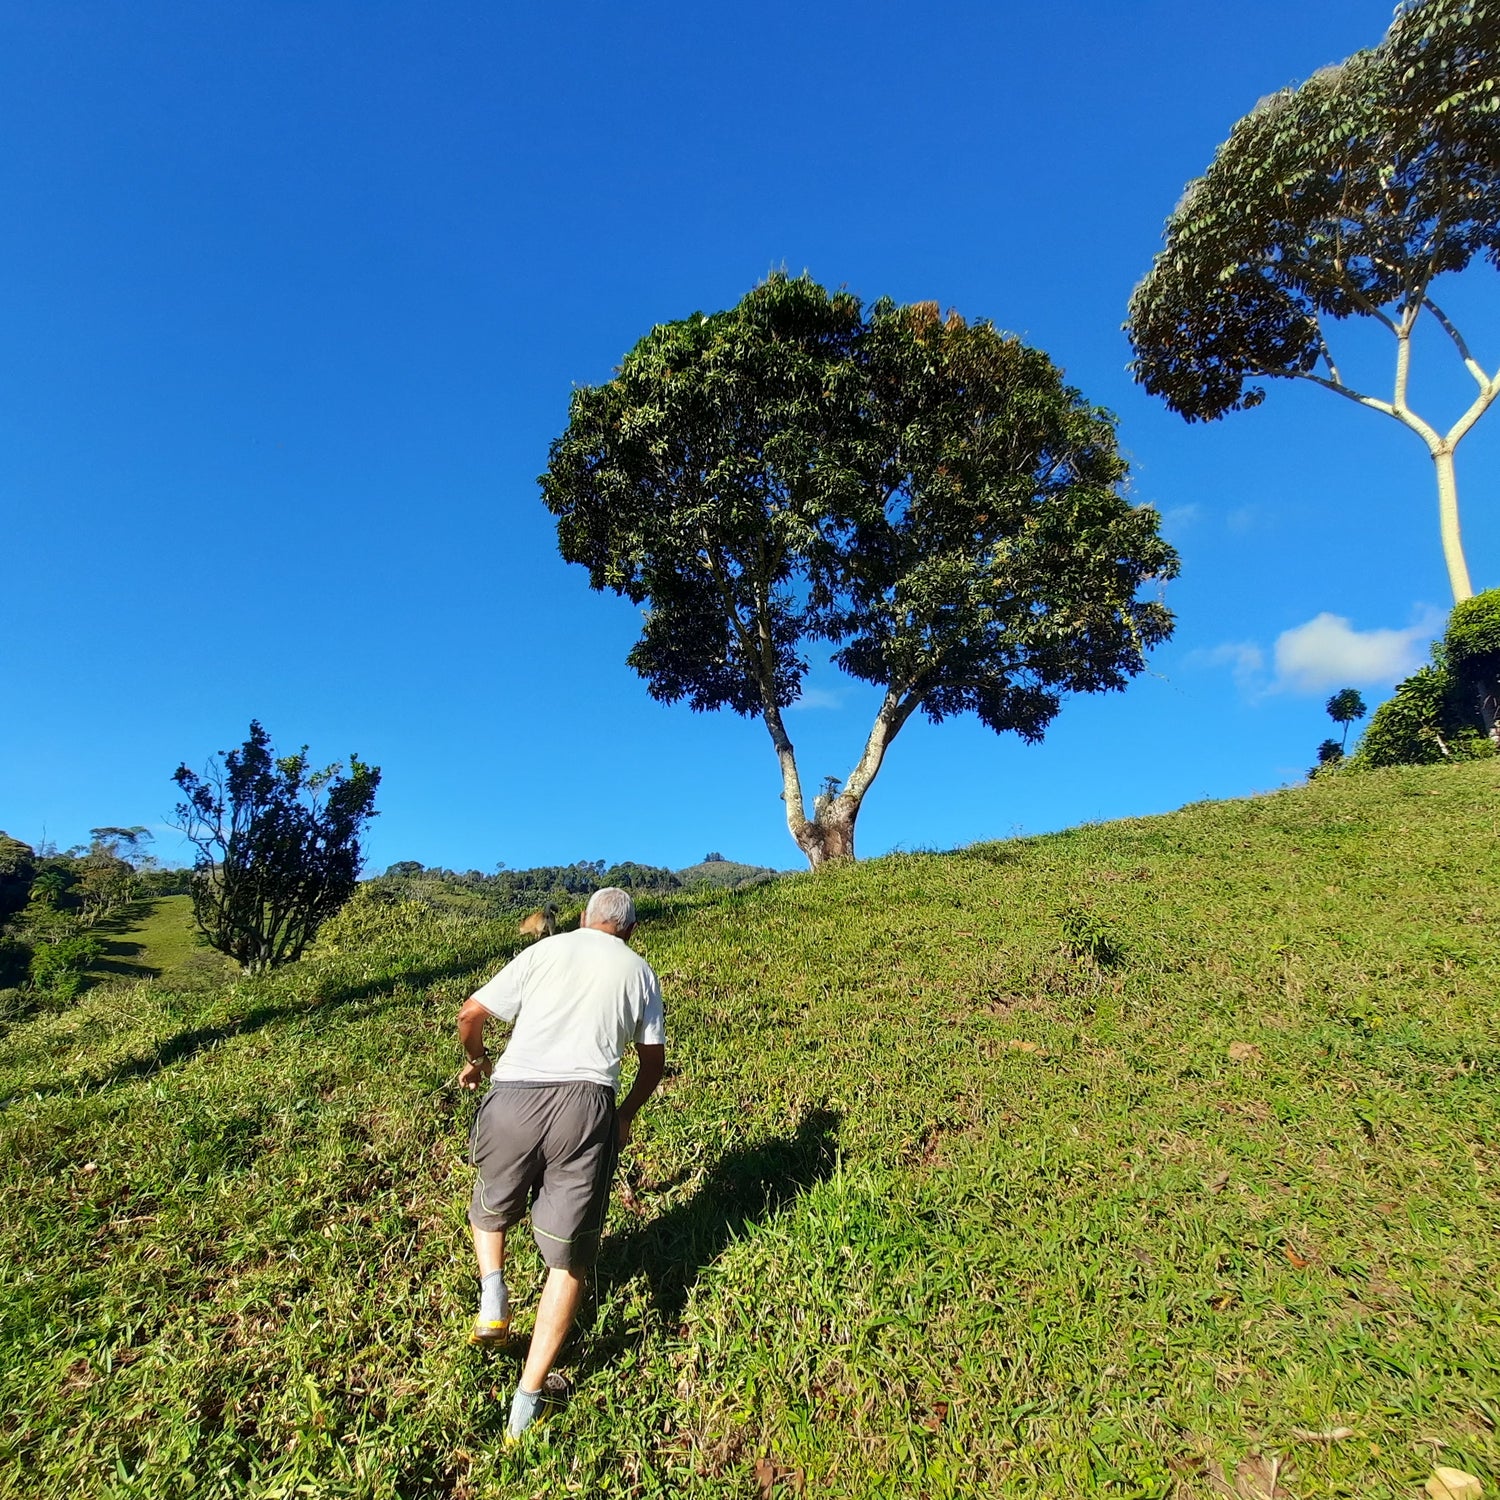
[1453, 546]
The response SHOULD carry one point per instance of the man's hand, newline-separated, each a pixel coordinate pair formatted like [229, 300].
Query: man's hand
[472, 1074]
[624, 1121]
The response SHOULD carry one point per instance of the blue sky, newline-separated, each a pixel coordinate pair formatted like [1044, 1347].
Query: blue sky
[292, 298]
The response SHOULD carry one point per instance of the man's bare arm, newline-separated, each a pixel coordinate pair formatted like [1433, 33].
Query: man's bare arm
[471, 1018]
[651, 1064]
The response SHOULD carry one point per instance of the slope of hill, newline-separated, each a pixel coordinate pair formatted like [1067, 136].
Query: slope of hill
[152, 938]
[1107, 1163]
[724, 872]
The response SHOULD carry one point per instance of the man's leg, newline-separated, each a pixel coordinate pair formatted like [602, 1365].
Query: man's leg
[566, 1221]
[489, 1250]
[502, 1146]
[554, 1317]
[492, 1322]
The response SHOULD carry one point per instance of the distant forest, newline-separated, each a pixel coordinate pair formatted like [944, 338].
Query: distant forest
[521, 890]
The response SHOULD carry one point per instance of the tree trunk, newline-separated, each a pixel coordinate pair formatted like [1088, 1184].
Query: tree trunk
[829, 836]
[829, 833]
[1453, 546]
[1488, 693]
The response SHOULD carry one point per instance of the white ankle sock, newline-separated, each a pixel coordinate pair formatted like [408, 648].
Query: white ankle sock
[494, 1301]
[523, 1407]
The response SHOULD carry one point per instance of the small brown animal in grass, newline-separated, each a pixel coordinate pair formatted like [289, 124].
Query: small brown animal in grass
[541, 923]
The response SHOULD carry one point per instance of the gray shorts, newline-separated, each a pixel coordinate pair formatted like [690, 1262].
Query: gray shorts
[552, 1145]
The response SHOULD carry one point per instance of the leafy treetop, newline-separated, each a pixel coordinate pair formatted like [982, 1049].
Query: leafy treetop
[925, 494]
[1350, 195]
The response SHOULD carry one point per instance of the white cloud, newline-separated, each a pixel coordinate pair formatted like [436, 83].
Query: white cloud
[1327, 652]
[1180, 516]
[812, 697]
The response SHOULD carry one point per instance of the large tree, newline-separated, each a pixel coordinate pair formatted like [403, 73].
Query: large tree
[17, 870]
[278, 846]
[1349, 196]
[924, 494]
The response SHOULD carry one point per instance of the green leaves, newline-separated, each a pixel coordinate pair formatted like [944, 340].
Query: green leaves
[278, 846]
[1345, 196]
[925, 494]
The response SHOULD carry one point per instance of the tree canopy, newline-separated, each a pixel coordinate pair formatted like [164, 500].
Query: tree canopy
[1472, 645]
[924, 494]
[1344, 707]
[1349, 196]
[278, 846]
[17, 870]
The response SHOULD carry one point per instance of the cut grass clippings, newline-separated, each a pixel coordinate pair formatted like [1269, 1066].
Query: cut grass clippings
[1109, 1163]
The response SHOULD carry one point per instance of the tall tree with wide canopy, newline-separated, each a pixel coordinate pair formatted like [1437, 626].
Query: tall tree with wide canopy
[924, 494]
[1351, 195]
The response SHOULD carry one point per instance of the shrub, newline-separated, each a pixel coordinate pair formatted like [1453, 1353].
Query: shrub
[1088, 939]
[17, 868]
[1427, 722]
[1473, 634]
[58, 969]
[1472, 645]
[15, 961]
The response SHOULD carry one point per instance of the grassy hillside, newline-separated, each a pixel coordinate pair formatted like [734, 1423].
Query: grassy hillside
[1109, 1163]
[153, 938]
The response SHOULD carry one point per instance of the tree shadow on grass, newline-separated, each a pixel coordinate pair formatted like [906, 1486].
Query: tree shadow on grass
[117, 955]
[745, 1186]
[117, 960]
[187, 1044]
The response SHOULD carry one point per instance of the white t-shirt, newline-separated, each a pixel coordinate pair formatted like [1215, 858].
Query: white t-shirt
[578, 1000]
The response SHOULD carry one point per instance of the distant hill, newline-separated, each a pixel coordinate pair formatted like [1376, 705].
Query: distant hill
[725, 872]
[569, 886]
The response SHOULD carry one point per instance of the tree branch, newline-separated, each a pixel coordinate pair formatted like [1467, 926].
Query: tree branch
[1371, 310]
[1346, 391]
[1403, 371]
[1487, 394]
[1333, 368]
[1471, 364]
[895, 709]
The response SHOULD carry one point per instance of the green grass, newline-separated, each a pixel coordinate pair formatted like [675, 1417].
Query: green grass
[150, 939]
[1090, 1164]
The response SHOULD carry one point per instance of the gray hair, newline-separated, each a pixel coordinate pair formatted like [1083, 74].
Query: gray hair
[612, 906]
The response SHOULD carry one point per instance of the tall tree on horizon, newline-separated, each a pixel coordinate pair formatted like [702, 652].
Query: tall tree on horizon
[924, 494]
[1349, 196]
[1344, 707]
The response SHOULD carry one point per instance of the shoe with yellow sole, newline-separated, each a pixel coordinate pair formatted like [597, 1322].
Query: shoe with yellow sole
[489, 1335]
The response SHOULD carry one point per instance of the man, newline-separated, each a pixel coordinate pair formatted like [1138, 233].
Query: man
[549, 1128]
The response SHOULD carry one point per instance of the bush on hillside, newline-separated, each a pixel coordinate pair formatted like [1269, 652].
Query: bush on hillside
[1330, 755]
[278, 846]
[58, 969]
[1445, 711]
[1472, 644]
[15, 962]
[1425, 723]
